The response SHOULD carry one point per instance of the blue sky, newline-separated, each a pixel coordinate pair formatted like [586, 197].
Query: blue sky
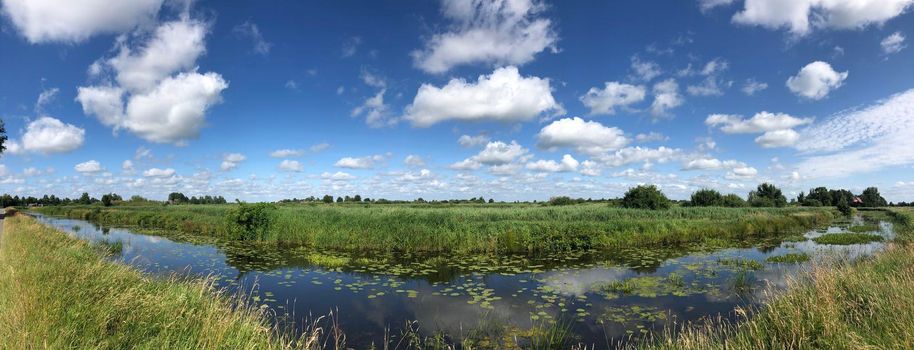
[511, 99]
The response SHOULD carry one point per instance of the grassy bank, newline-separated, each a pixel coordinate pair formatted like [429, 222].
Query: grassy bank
[837, 305]
[57, 292]
[497, 228]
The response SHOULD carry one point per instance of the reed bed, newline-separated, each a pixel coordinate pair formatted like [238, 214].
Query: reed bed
[493, 229]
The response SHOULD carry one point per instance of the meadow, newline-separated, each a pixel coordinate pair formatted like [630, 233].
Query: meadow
[498, 228]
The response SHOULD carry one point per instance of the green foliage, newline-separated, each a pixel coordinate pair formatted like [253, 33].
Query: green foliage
[767, 195]
[847, 238]
[561, 200]
[645, 197]
[789, 258]
[732, 201]
[845, 208]
[249, 221]
[706, 198]
[2, 137]
[872, 198]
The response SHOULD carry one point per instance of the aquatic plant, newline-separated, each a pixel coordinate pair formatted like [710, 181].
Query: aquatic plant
[847, 238]
[864, 228]
[789, 258]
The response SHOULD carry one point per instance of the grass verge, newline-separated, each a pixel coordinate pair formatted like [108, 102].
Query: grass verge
[58, 292]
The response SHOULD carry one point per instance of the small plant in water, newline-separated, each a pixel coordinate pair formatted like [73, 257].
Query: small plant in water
[789, 258]
[847, 238]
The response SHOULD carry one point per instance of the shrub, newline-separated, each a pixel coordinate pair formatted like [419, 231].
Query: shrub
[767, 195]
[561, 200]
[706, 198]
[845, 209]
[645, 197]
[732, 201]
[249, 221]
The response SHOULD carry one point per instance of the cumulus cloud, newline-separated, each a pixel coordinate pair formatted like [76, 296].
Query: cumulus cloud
[366, 162]
[816, 80]
[893, 43]
[149, 99]
[291, 165]
[414, 160]
[751, 87]
[645, 70]
[588, 137]
[801, 17]
[41, 21]
[375, 110]
[778, 138]
[503, 96]
[612, 95]
[639, 154]
[760, 122]
[320, 147]
[472, 141]
[466, 164]
[651, 137]
[499, 32]
[337, 176]
[737, 170]
[156, 172]
[666, 97]
[567, 164]
[48, 135]
[88, 167]
[286, 153]
[230, 161]
[871, 139]
[127, 166]
[496, 153]
[707, 5]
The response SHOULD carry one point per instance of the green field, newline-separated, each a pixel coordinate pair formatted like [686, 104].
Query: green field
[57, 292]
[496, 228]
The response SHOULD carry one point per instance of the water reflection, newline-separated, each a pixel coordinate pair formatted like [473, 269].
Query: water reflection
[604, 296]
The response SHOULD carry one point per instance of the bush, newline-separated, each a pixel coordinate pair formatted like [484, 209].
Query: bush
[645, 197]
[732, 201]
[249, 221]
[767, 195]
[561, 200]
[845, 209]
[706, 198]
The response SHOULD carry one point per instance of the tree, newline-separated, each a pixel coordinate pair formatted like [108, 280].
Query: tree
[732, 201]
[84, 198]
[645, 197]
[561, 200]
[706, 198]
[177, 198]
[872, 198]
[327, 199]
[2, 137]
[106, 200]
[767, 195]
[357, 198]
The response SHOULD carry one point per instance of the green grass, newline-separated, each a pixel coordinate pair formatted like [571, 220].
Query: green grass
[57, 292]
[746, 264]
[847, 238]
[789, 258]
[495, 228]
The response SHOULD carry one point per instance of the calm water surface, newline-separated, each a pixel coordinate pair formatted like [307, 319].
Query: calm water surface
[604, 297]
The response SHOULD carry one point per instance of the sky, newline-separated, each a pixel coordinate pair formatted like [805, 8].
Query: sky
[506, 99]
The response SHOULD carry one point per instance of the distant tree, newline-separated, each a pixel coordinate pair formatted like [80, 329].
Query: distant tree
[818, 195]
[84, 198]
[872, 198]
[845, 208]
[732, 201]
[645, 197]
[2, 137]
[177, 198]
[106, 200]
[767, 195]
[491, 200]
[561, 200]
[339, 199]
[357, 198]
[327, 199]
[706, 198]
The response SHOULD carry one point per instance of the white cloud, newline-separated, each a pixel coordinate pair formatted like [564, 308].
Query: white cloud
[291, 165]
[800, 17]
[666, 97]
[366, 162]
[286, 153]
[44, 98]
[503, 96]
[604, 101]
[48, 135]
[707, 5]
[590, 168]
[156, 172]
[88, 167]
[630, 155]
[816, 80]
[645, 70]
[127, 166]
[160, 107]
[742, 173]
[472, 141]
[230, 161]
[778, 138]
[588, 137]
[759, 123]
[498, 32]
[42, 21]
[27, 172]
[651, 137]
[251, 31]
[351, 46]
[893, 43]
[320, 147]
[567, 164]
[466, 164]
[871, 139]
[496, 153]
[375, 111]
[413, 160]
[752, 86]
[337, 176]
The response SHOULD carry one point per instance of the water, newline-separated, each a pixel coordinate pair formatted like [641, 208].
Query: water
[604, 297]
